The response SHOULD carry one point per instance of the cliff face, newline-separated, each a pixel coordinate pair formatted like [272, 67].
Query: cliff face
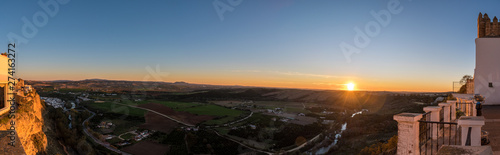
[29, 122]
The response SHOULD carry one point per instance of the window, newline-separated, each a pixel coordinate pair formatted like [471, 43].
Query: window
[2, 97]
[490, 84]
[4, 106]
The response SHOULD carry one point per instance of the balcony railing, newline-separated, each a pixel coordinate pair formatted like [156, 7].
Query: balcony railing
[433, 129]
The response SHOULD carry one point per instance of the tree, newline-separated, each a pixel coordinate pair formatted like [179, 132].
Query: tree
[381, 148]
[464, 79]
[463, 89]
[463, 82]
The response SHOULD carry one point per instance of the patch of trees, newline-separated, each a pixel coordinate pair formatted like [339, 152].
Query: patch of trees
[381, 148]
[118, 127]
[205, 142]
[70, 137]
[289, 134]
[463, 82]
[364, 130]
[370, 124]
[248, 133]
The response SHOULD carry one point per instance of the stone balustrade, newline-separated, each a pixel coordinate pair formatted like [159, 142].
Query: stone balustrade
[434, 115]
[446, 109]
[471, 130]
[408, 133]
[453, 109]
[408, 124]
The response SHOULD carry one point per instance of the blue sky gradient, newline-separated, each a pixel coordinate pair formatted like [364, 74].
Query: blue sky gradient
[285, 43]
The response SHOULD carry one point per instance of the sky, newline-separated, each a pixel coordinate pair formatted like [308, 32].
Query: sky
[424, 46]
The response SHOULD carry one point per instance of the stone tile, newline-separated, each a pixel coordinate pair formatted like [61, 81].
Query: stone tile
[492, 125]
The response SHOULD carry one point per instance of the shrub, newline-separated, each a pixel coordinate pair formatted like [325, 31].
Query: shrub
[460, 113]
[381, 148]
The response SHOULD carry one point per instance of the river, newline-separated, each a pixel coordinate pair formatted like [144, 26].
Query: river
[324, 150]
[69, 117]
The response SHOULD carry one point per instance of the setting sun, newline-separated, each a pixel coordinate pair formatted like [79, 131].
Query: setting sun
[350, 86]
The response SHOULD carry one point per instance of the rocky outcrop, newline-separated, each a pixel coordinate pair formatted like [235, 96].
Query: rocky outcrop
[29, 122]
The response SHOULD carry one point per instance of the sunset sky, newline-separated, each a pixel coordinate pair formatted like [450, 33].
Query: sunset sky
[280, 43]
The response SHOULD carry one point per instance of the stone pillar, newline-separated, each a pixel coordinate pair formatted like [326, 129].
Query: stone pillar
[470, 108]
[475, 123]
[453, 109]
[462, 107]
[466, 109]
[446, 110]
[434, 115]
[458, 105]
[408, 133]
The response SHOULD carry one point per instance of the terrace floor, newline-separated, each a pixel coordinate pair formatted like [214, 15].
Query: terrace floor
[492, 125]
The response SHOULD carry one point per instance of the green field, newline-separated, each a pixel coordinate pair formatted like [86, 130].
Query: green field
[74, 90]
[214, 110]
[176, 105]
[119, 109]
[114, 140]
[170, 104]
[128, 136]
[123, 126]
[187, 93]
[223, 131]
[258, 118]
[219, 121]
[194, 108]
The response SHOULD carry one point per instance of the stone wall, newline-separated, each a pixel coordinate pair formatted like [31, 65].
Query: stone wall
[486, 27]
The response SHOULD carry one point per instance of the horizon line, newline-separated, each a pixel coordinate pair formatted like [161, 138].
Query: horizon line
[238, 85]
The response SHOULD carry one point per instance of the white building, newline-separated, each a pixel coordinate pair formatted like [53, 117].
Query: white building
[487, 71]
[4, 91]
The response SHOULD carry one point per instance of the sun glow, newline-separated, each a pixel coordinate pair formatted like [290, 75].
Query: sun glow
[350, 86]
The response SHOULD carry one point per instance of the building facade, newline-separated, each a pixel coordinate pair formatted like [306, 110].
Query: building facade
[487, 71]
[4, 91]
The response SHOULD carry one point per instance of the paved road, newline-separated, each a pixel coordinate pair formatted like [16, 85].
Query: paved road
[251, 113]
[304, 144]
[173, 119]
[85, 130]
[262, 151]
[193, 125]
[186, 124]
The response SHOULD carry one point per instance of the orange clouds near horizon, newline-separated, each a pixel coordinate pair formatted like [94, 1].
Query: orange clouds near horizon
[264, 79]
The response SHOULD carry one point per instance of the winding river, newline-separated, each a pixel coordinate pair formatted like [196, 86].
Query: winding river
[324, 150]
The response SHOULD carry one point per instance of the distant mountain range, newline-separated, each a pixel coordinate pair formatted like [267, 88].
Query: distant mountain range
[178, 86]
[122, 85]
